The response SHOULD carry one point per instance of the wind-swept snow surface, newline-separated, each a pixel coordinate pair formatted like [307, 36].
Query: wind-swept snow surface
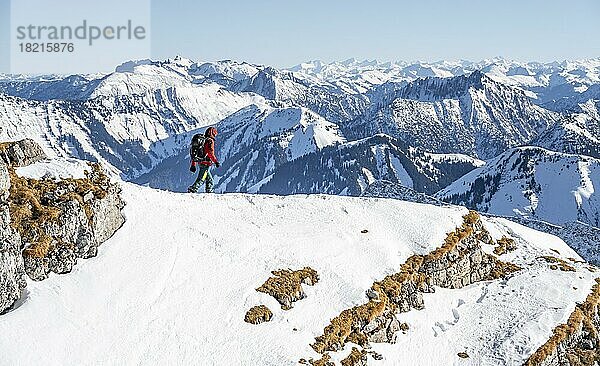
[173, 285]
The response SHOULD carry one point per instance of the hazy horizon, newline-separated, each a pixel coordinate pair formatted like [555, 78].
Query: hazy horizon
[287, 34]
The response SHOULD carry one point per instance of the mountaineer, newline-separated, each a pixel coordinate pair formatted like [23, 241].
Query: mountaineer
[202, 153]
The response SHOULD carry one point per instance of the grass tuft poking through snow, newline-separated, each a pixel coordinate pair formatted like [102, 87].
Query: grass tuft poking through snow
[286, 285]
[5, 145]
[505, 245]
[355, 358]
[325, 360]
[258, 314]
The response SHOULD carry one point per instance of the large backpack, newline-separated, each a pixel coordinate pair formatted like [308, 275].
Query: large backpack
[197, 148]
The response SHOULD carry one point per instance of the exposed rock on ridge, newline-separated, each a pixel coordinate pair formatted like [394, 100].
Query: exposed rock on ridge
[460, 261]
[12, 271]
[46, 225]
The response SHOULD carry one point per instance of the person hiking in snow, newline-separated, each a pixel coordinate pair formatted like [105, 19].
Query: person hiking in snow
[202, 154]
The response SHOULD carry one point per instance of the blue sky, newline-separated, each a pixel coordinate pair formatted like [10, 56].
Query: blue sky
[284, 33]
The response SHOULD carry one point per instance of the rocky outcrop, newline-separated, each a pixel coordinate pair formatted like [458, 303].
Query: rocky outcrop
[459, 262]
[69, 219]
[12, 272]
[578, 341]
[58, 221]
[21, 153]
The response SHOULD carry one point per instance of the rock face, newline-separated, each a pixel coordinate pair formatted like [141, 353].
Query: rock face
[463, 265]
[58, 221]
[107, 218]
[85, 221]
[258, 314]
[12, 273]
[21, 153]
[458, 263]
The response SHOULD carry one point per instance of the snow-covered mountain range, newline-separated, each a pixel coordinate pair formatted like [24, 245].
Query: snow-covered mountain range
[316, 128]
[384, 276]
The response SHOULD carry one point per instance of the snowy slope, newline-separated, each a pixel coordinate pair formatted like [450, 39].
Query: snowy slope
[547, 83]
[297, 130]
[577, 134]
[173, 288]
[495, 323]
[272, 164]
[130, 134]
[532, 182]
[470, 114]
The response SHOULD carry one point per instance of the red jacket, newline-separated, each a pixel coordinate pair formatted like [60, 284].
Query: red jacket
[209, 152]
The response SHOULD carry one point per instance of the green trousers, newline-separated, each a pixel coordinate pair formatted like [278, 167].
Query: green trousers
[203, 176]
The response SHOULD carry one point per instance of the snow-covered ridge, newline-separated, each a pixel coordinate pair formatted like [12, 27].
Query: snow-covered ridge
[541, 80]
[545, 82]
[298, 130]
[97, 300]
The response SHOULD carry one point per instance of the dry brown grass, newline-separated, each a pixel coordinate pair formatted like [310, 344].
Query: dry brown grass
[40, 248]
[30, 207]
[5, 145]
[455, 237]
[258, 314]
[580, 357]
[355, 357]
[286, 285]
[463, 355]
[347, 327]
[557, 263]
[581, 318]
[503, 269]
[391, 286]
[504, 245]
[471, 218]
[325, 360]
